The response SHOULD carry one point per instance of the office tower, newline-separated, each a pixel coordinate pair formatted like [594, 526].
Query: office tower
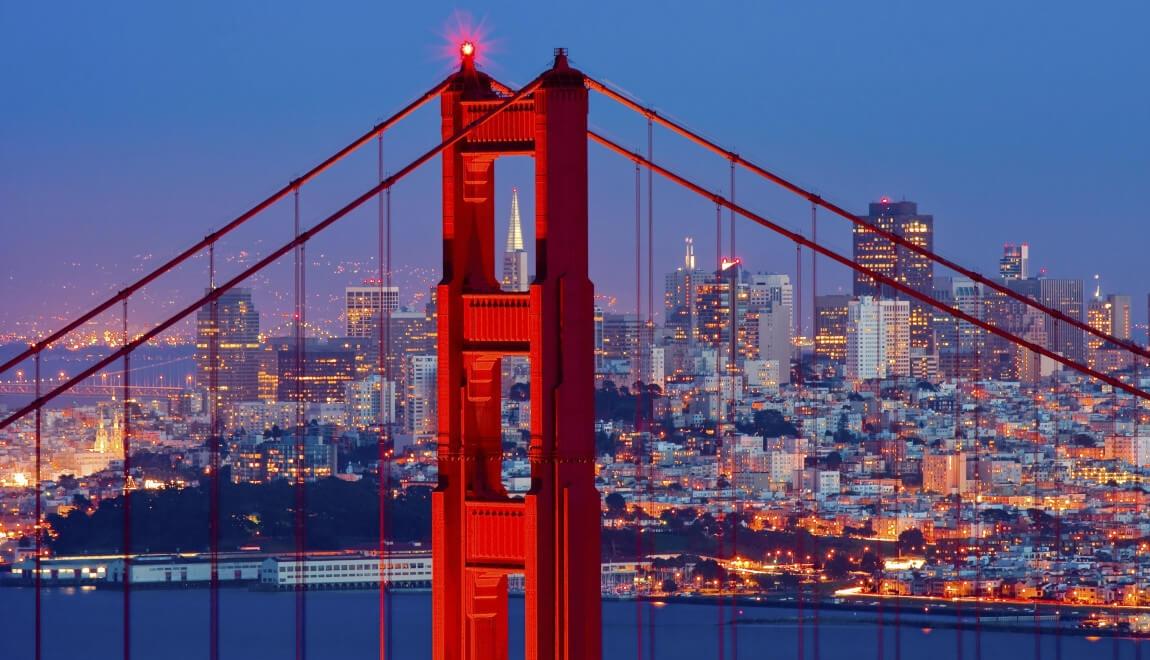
[364, 304]
[961, 345]
[600, 350]
[1064, 295]
[1032, 367]
[1119, 315]
[1111, 315]
[897, 262]
[411, 333]
[515, 276]
[626, 339]
[236, 329]
[765, 289]
[1015, 262]
[831, 327]
[679, 297]
[878, 338]
[420, 413]
[317, 374]
[722, 302]
[774, 338]
[370, 402]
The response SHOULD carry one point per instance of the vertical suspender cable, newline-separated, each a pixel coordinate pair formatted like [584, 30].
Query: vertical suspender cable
[127, 475]
[214, 440]
[299, 446]
[732, 369]
[384, 437]
[798, 310]
[976, 519]
[732, 210]
[635, 447]
[815, 654]
[649, 339]
[37, 530]
[719, 448]
[388, 625]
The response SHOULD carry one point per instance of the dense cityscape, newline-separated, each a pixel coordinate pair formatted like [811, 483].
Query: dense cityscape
[894, 451]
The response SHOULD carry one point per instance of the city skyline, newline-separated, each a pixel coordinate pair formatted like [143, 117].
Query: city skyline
[507, 344]
[970, 222]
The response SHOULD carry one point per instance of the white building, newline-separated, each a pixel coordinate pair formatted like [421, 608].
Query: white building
[421, 401]
[775, 338]
[346, 571]
[878, 338]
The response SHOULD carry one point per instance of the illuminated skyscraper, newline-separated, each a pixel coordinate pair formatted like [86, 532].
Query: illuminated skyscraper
[326, 371]
[831, 327]
[363, 305]
[236, 328]
[515, 255]
[680, 297]
[1015, 262]
[1064, 295]
[897, 262]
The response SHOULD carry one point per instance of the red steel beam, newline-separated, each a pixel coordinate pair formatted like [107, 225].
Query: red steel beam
[890, 281]
[837, 210]
[303, 237]
[211, 238]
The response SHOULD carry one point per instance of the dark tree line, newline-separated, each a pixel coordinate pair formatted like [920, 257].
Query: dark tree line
[339, 514]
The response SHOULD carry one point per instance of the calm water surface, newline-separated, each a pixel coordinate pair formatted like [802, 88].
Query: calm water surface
[173, 625]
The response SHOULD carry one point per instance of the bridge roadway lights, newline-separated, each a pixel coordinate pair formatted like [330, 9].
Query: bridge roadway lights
[480, 534]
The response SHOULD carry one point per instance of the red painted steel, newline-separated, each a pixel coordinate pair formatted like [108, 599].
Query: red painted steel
[480, 533]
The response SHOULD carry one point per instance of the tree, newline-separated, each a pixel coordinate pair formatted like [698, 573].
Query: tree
[834, 460]
[616, 505]
[838, 566]
[911, 540]
[669, 586]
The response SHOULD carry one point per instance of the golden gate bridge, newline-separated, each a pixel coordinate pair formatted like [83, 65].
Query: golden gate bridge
[481, 534]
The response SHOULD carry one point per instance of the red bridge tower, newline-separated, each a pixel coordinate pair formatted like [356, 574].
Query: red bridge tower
[480, 533]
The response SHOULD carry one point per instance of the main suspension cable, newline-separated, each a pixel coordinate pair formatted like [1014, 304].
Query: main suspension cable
[214, 236]
[269, 259]
[874, 274]
[860, 222]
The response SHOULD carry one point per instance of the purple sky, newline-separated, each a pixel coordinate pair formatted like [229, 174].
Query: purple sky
[130, 129]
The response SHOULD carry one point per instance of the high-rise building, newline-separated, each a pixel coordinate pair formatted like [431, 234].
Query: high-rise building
[420, 414]
[1015, 262]
[1064, 295]
[878, 338]
[625, 340]
[317, 374]
[831, 327]
[679, 297]
[962, 345]
[515, 276]
[722, 305]
[363, 306]
[236, 330]
[1120, 325]
[774, 338]
[897, 262]
[765, 289]
[370, 402]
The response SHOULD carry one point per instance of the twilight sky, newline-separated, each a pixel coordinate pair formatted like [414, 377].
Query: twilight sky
[129, 129]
